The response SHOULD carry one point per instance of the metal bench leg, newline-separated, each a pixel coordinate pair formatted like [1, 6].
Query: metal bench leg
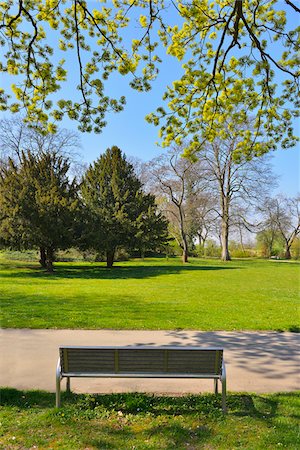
[57, 392]
[216, 386]
[224, 407]
[68, 385]
[58, 378]
[223, 380]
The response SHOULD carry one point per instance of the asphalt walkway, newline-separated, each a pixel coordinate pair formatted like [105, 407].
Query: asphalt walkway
[255, 362]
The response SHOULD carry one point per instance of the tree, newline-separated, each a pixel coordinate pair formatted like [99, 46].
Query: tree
[119, 213]
[204, 37]
[237, 182]
[201, 216]
[17, 137]
[178, 180]
[268, 229]
[282, 214]
[229, 68]
[38, 204]
[269, 242]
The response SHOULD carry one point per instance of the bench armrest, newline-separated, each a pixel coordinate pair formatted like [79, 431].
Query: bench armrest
[58, 369]
[223, 374]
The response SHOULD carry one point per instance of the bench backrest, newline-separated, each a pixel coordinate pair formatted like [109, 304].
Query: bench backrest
[140, 359]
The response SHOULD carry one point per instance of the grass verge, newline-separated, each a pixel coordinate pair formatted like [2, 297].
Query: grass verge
[139, 421]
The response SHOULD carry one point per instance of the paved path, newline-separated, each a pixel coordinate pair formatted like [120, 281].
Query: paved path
[255, 362]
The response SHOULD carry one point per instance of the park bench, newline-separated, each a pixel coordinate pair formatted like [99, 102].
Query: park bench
[141, 362]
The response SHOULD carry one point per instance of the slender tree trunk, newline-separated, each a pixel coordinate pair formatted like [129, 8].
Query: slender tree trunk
[271, 243]
[49, 259]
[184, 243]
[200, 239]
[43, 257]
[270, 248]
[110, 255]
[241, 240]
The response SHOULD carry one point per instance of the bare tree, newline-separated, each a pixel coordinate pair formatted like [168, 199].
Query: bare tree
[17, 137]
[267, 228]
[238, 183]
[201, 216]
[283, 214]
[141, 170]
[178, 181]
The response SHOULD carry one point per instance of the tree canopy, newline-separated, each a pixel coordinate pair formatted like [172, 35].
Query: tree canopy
[231, 51]
[230, 68]
[119, 214]
[38, 204]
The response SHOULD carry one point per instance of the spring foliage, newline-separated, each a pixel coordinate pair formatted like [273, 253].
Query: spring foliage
[232, 52]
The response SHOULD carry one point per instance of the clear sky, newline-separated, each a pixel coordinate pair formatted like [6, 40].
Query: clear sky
[129, 130]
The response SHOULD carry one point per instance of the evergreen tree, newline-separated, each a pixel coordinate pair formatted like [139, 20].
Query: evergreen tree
[38, 204]
[151, 226]
[119, 213]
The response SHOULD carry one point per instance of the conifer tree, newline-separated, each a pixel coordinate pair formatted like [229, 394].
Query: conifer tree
[38, 204]
[119, 213]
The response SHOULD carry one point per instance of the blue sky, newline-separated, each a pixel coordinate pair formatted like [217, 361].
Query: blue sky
[129, 130]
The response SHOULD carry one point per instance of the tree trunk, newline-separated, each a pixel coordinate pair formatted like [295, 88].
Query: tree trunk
[110, 254]
[184, 244]
[43, 257]
[270, 249]
[185, 253]
[287, 254]
[185, 256]
[49, 259]
[225, 256]
[200, 239]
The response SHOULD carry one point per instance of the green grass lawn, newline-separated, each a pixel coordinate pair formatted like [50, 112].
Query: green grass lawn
[152, 294]
[139, 421]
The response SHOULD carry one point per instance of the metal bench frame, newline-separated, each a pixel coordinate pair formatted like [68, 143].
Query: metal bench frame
[219, 375]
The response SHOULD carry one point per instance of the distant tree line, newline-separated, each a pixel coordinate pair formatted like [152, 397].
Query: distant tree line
[202, 205]
[214, 198]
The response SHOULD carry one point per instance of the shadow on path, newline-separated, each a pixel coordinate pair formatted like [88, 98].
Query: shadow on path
[257, 352]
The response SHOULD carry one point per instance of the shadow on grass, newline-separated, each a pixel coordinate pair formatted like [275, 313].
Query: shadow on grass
[26, 399]
[117, 272]
[169, 436]
[252, 405]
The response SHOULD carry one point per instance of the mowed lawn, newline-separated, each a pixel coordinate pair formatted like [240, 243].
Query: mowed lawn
[152, 294]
